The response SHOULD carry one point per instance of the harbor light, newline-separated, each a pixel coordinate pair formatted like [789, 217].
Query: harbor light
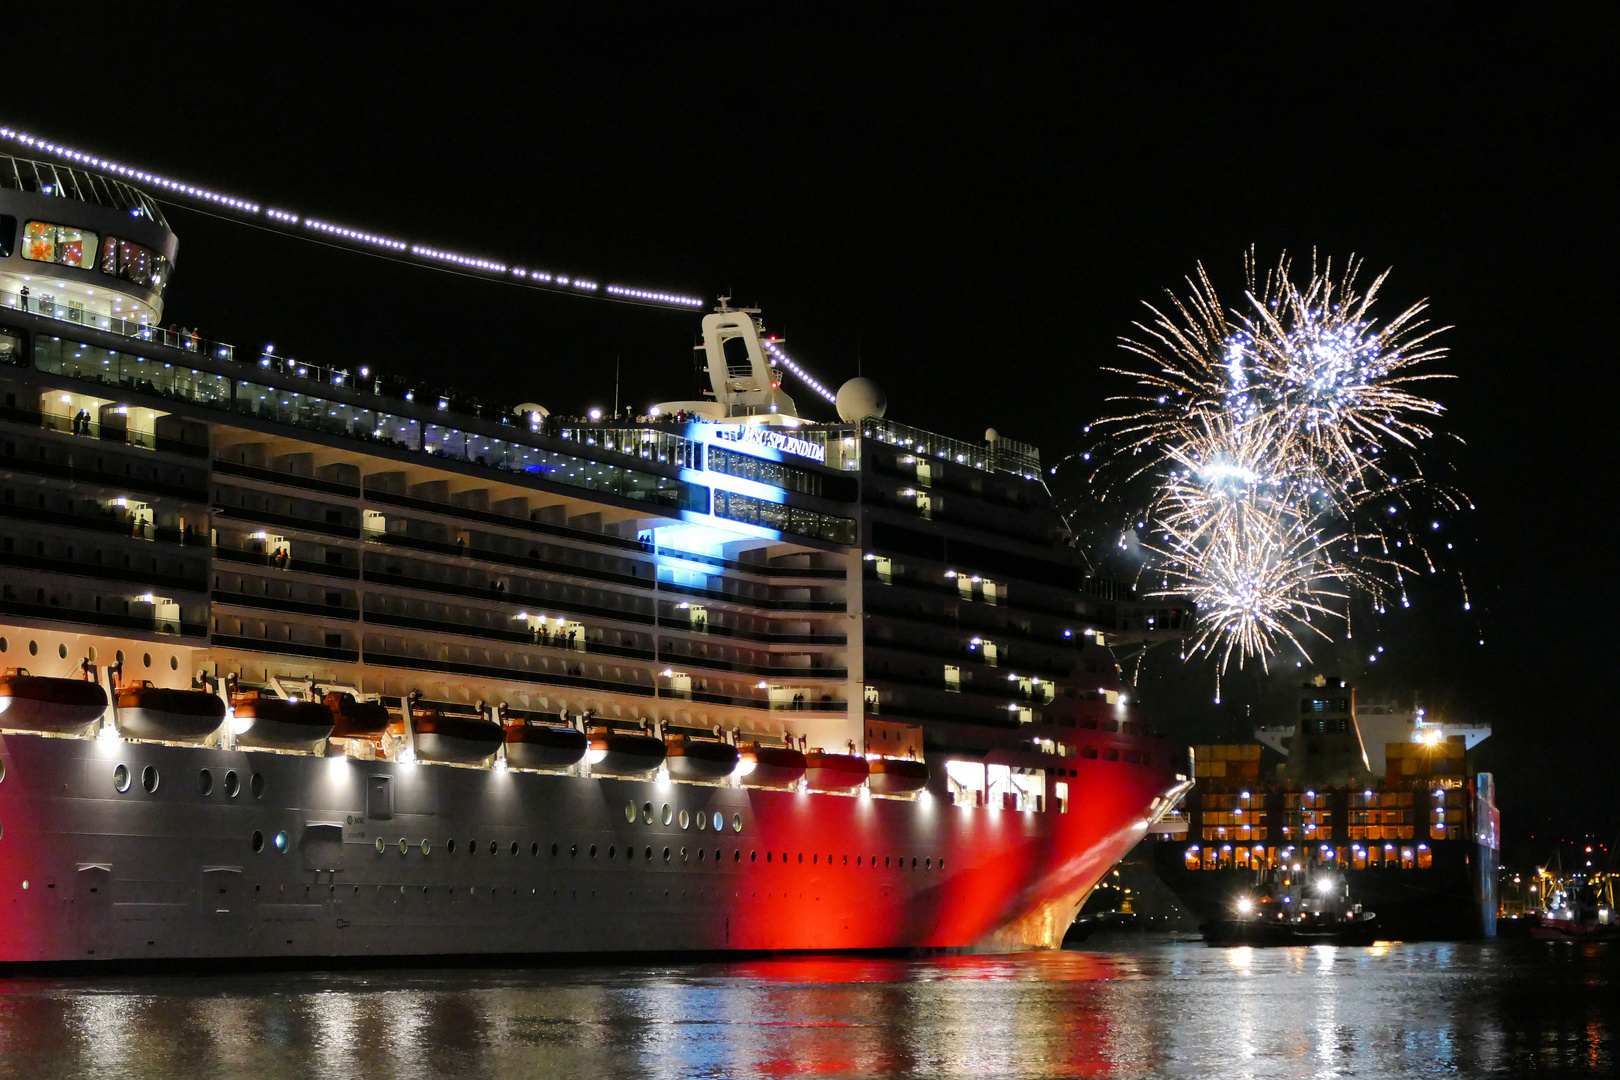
[1245, 905]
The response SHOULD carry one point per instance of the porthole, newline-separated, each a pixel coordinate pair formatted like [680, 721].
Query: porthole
[573, 851]
[942, 864]
[472, 847]
[666, 854]
[667, 816]
[736, 822]
[149, 779]
[450, 846]
[646, 813]
[4, 644]
[630, 812]
[767, 856]
[702, 854]
[801, 857]
[146, 658]
[554, 849]
[427, 847]
[281, 842]
[493, 847]
[514, 848]
[649, 853]
[90, 654]
[885, 861]
[256, 785]
[846, 860]
[928, 864]
[736, 856]
[914, 862]
[2, 770]
[753, 856]
[404, 845]
[33, 648]
[612, 850]
[702, 822]
[233, 786]
[534, 848]
[593, 851]
[61, 651]
[119, 656]
[683, 854]
[258, 841]
[857, 860]
[380, 847]
[174, 663]
[205, 783]
[686, 820]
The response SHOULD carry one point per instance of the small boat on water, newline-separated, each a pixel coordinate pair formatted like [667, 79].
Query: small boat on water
[624, 753]
[457, 740]
[835, 772]
[273, 723]
[144, 711]
[544, 747]
[1298, 904]
[897, 776]
[699, 760]
[53, 706]
[764, 766]
[1580, 908]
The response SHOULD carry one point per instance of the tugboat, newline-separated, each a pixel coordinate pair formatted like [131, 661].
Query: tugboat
[1298, 904]
[1579, 909]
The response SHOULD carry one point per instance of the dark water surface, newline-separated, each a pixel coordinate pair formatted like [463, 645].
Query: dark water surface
[1124, 1008]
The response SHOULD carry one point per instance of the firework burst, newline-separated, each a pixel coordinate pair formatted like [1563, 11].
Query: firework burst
[1273, 452]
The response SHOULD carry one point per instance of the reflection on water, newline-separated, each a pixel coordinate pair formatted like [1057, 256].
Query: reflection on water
[1131, 1009]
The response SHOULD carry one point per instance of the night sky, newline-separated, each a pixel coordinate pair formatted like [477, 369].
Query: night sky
[970, 207]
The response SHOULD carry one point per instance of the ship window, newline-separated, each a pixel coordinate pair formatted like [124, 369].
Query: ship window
[61, 244]
[149, 779]
[134, 262]
[427, 847]
[702, 821]
[33, 648]
[1425, 858]
[174, 663]
[612, 851]
[450, 845]
[593, 851]
[258, 841]
[514, 848]
[232, 784]
[146, 659]
[553, 849]
[753, 856]
[703, 854]
[630, 812]
[683, 854]
[719, 822]
[646, 813]
[493, 847]
[121, 778]
[256, 785]
[736, 822]
[736, 856]
[668, 815]
[914, 862]
[61, 651]
[205, 782]
[666, 854]
[8, 234]
[686, 820]
[534, 848]
[573, 851]
[649, 853]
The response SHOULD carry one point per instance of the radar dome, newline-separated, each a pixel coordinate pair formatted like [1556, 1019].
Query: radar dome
[860, 398]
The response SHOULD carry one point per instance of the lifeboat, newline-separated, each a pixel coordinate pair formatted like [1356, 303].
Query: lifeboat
[700, 760]
[834, 772]
[769, 766]
[145, 711]
[544, 747]
[897, 776]
[353, 719]
[273, 723]
[621, 753]
[457, 740]
[56, 706]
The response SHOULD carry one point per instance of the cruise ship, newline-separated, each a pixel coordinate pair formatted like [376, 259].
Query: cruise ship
[309, 664]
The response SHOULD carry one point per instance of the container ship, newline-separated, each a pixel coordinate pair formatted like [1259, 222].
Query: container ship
[310, 663]
[1411, 831]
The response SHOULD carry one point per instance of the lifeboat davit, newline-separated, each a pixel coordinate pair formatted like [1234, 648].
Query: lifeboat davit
[769, 766]
[622, 753]
[57, 706]
[834, 772]
[152, 712]
[544, 747]
[353, 719]
[897, 776]
[458, 740]
[273, 723]
[700, 760]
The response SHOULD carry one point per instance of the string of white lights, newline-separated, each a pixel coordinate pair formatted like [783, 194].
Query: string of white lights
[177, 189]
[803, 375]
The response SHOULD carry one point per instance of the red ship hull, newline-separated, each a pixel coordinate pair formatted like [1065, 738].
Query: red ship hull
[312, 859]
